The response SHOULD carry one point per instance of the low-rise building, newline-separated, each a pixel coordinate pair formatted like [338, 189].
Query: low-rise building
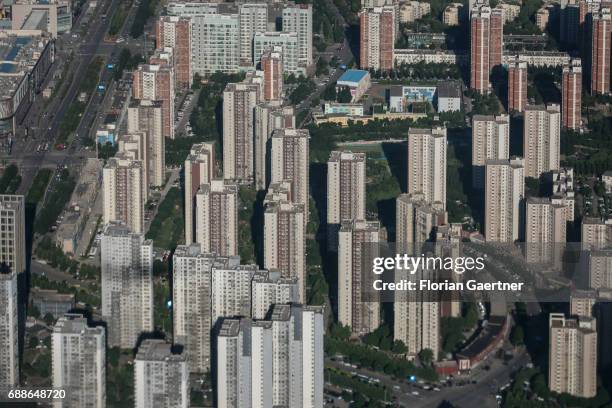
[414, 56]
[51, 302]
[539, 58]
[511, 11]
[53, 16]
[358, 82]
[352, 109]
[70, 230]
[24, 63]
[449, 97]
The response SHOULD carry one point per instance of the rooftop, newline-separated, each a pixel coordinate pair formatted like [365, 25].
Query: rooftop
[159, 350]
[353, 75]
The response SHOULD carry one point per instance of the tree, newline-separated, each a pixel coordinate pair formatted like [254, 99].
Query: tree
[49, 319]
[399, 347]
[329, 94]
[344, 96]
[33, 342]
[517, 337]
[426, 356]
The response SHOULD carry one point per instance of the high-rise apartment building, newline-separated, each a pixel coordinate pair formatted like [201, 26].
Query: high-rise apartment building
[416, 219]
[286, 370]
[289, 161]
[297, 333]
[376, 37]
[79, 362]
[175, 32]
[545, 231]
[269, 116]
[239, 102]
[582, 302]
[480, 22]
[572, 361]
[216, 215]
[427, 164]
[596, 233]
[346, 179]
[155, 82]
[562, 189]
[541, 139]
[270, 288]
[199, 169]
[601, 46]
[417, 320]
[126, 261]
[216, 43]
[571, 98]
[490, 141]
[272, 67]
[9, 329]
[357, 243]
[191, 306]
[504, 193]
[133, 146]
[284, 241]
[253, 18]
[124, 192]
[297, 18]
[486, 44]
[286, 41]
[517, 85]
[232, 290]
[147, 116]
[599, 268]
[12, 222]
[161, 376]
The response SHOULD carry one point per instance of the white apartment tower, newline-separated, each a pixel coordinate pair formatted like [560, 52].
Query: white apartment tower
[217, 217]
[12, 222]
[191, 307]
[161, 376]
[357, 242]
[146, 116]
[270, 288]
[427, 164]
[231, 293]
[126, 261]
[79, 362]
[415, 220]
[284, 241]
[269, 116]
[572, 362]
[276, 362]
[199, 169]
[504, 193]
[545, 230]
[298, 18]
[541, 139]
[9, 329]
[346, 179]
[297, 377]
[239, 101]
[253, 17]
[490, 141]
[125, 192]
[289, 162]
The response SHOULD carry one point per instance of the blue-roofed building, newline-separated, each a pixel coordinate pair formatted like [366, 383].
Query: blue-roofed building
[357, 80]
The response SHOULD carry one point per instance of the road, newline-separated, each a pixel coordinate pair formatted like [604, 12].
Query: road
[481, 394]
[24, 152]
